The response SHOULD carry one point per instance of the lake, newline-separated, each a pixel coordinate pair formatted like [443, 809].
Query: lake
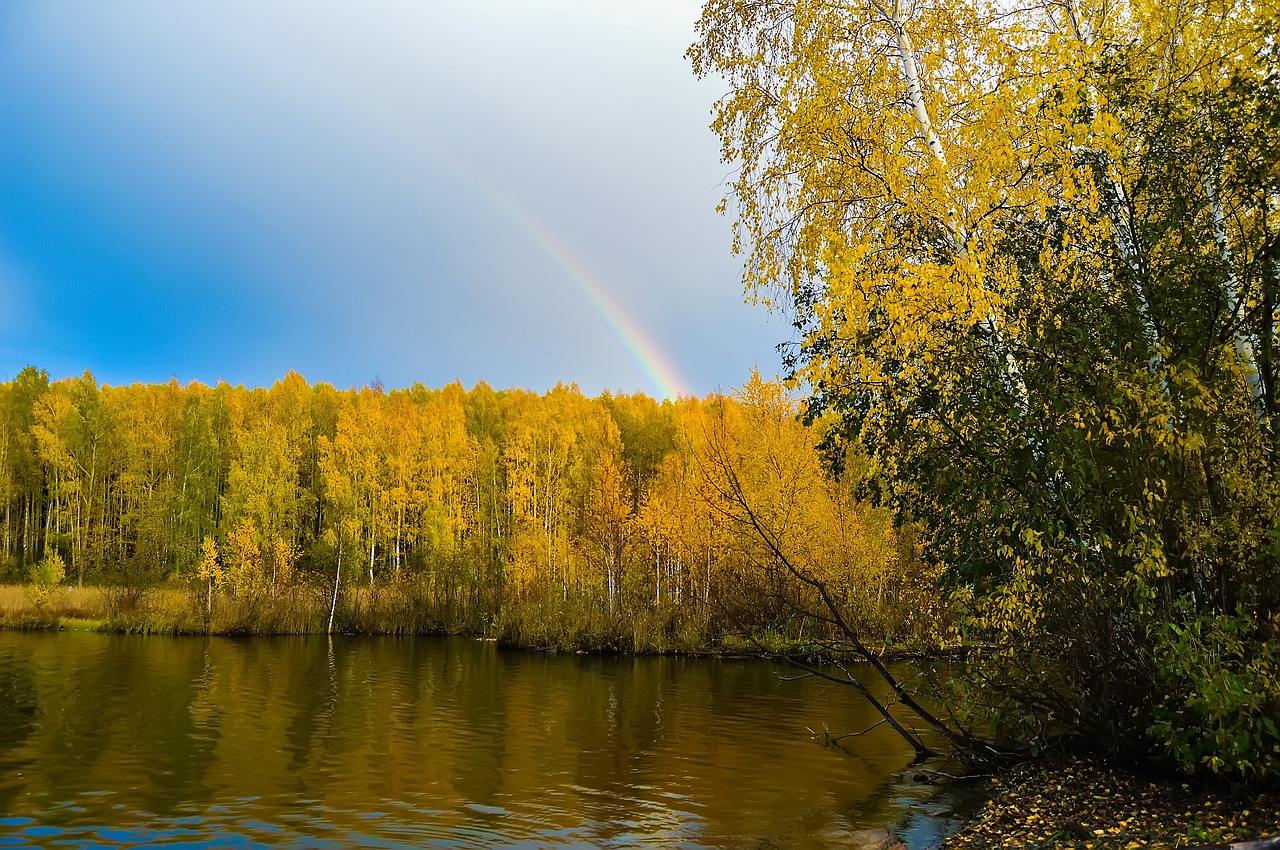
[113, 740]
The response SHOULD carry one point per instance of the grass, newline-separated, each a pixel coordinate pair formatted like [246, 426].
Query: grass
[78, 602]
[167, 610]
[79, 608]
[82, 624]
[549, 620]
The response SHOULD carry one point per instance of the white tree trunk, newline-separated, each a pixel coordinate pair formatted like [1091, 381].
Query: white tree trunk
[337, 577]
[1244, 345]
[1126, 239]
[897, 20]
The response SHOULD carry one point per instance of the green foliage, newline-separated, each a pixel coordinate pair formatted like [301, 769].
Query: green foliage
[46, 581]
[49, 573]
[1219, 683]
[1031, 257]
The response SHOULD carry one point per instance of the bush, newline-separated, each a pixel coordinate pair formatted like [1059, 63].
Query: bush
[1219, 679]
[47, 577]
[51, 572]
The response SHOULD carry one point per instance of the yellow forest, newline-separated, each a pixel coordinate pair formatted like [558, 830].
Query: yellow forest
[551, 520]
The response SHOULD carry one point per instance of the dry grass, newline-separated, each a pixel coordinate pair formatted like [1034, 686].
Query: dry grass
[296, 610]
[158, 609]
[87, 603]
[304, 609]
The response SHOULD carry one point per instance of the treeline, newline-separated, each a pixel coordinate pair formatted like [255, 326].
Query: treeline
[545, 519]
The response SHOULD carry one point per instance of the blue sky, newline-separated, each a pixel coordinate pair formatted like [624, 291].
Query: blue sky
[514, 191]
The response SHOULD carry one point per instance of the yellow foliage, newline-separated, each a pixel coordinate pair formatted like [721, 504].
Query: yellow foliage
[284, 561]
[478, 499]
[245, 573]
[209, 569]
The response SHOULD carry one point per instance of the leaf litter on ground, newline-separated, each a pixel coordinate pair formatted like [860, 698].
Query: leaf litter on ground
[1085, 804]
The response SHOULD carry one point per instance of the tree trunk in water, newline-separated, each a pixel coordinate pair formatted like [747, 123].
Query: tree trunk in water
[333, 602]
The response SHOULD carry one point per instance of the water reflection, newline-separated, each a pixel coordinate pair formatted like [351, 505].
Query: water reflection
[399, 742]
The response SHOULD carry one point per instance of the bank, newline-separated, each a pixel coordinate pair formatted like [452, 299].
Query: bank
[1051, 803]
[1085, 804]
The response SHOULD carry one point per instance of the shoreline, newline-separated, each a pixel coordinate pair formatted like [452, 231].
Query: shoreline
[1050, 804]
[167, 611]
[1084, 804]
[30, 622]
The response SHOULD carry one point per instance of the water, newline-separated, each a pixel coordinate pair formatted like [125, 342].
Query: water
[112, 741]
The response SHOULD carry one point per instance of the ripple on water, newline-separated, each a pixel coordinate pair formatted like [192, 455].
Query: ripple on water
[403, 743]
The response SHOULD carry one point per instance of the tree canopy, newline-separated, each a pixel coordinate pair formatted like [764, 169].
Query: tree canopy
[550, 519]
[1032, 252]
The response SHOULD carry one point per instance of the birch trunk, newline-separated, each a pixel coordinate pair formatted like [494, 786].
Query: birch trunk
[1117, 198]
[1243, 345]
[897, 20]
[333, 601]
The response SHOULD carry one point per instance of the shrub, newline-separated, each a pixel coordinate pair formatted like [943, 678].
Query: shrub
[1220, 696]
[47, 577]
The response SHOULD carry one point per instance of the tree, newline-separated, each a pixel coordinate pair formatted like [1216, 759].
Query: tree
[552, 517]
[807, 549]
[339, 465]
[46, 580]
[201, 469]
[263, 484]
[246, 571]
[209, 571]
[607, 506]
[70, 431]
[541, 438]
[139, 525]
[22, 482]
[1031, 258]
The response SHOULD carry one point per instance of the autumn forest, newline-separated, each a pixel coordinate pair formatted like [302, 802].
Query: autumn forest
[545, 520]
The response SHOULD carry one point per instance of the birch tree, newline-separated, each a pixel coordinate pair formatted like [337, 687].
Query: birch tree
[1030, 252]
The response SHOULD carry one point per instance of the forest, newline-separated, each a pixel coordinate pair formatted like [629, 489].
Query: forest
[545, 520]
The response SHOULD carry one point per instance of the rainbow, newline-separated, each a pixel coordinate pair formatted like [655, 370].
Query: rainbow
[646, 353]
[639, 344]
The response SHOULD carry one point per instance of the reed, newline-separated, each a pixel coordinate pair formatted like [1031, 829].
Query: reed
[548, 620]
[86, 603]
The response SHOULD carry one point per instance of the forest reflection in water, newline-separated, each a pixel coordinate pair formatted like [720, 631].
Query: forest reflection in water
[309, 742]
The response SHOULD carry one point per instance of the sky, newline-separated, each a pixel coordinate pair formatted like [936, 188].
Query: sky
[520, 192]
